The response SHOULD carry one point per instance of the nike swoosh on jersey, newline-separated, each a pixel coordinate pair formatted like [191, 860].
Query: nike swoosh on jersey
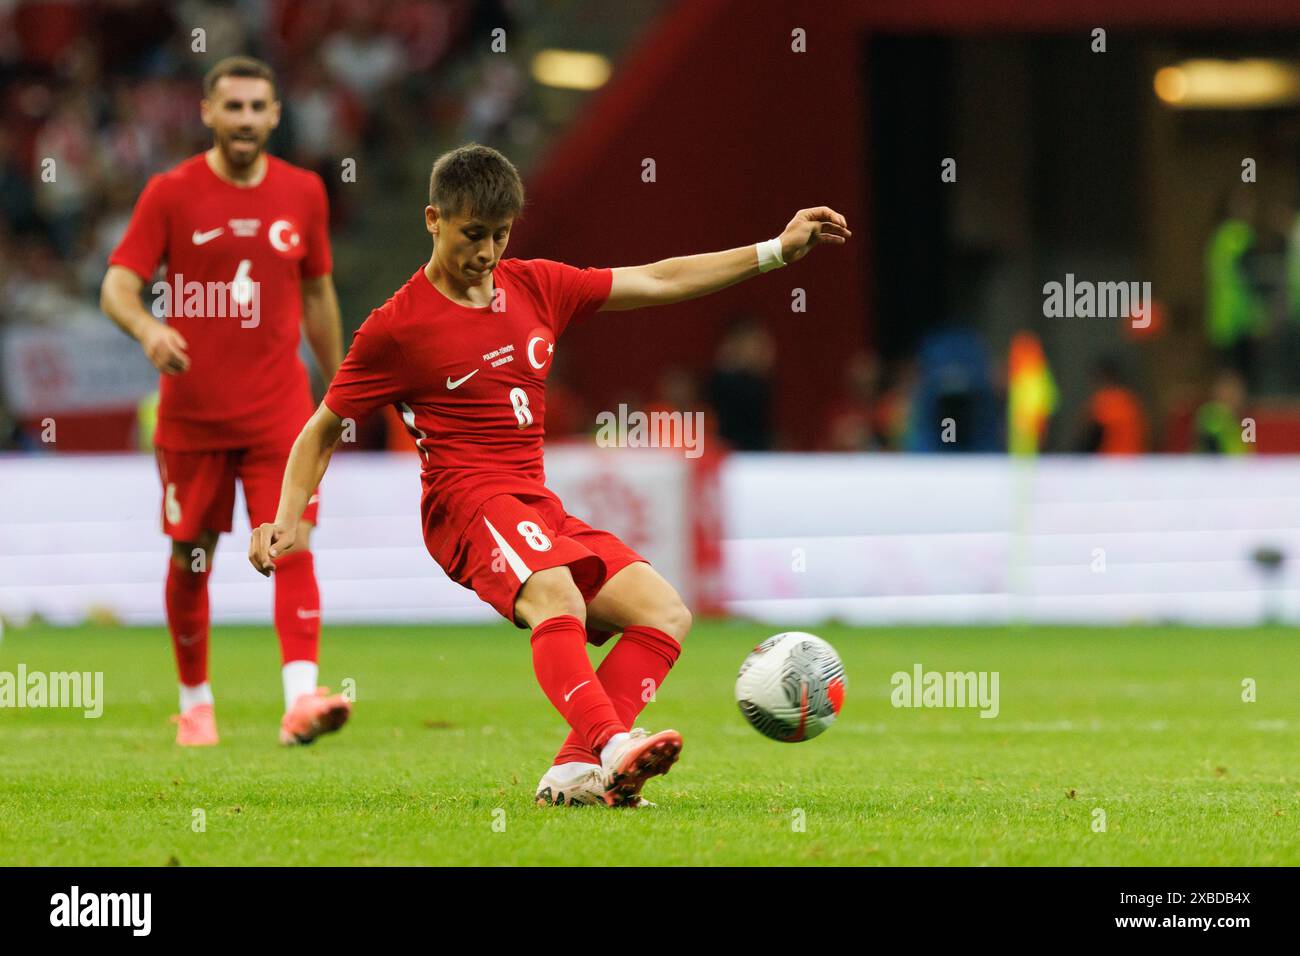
[201, 237]
[460, 381]
[575, 690]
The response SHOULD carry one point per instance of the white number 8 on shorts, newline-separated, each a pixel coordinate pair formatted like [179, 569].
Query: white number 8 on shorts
[533, 535]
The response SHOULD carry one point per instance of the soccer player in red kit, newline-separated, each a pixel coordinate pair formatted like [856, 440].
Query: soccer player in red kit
[245, 238]
[463, 350]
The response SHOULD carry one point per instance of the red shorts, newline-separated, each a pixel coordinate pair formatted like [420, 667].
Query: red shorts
[511, 537]
[199, 488]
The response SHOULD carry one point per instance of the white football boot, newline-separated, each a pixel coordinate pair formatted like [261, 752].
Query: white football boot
[572, 785]
[629, 760]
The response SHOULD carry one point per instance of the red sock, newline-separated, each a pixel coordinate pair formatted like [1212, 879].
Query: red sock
[187, 619]
[297, 607]
[631, 674]
[564, 671]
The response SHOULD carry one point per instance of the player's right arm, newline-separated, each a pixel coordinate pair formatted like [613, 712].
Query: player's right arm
[367, 379]
[302, 474]
[119, 297]
[135, 259]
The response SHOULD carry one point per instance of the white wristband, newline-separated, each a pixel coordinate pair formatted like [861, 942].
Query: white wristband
[769, 255]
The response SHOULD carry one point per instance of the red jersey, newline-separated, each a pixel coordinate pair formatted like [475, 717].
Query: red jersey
[246, 385]
[468, 382]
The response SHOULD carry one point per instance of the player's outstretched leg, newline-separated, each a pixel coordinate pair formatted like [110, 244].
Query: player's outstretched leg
[631, 673]
[187, 621]
[551, 604]
[634, 670]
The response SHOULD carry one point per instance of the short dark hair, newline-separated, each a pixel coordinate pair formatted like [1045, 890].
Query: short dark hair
[246, 66]
[476, 181]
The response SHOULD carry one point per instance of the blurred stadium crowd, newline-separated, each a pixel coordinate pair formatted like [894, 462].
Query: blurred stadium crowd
[106, 89]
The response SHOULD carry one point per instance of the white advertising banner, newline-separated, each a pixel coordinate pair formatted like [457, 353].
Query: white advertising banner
[987, 539]
[76, 366]
[860, 538]
[80, 536]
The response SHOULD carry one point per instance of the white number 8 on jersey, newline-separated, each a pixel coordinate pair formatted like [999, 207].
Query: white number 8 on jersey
[519, 401]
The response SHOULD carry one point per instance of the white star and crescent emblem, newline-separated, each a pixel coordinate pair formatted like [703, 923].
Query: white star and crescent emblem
[532, 359]
[284, 236]
[539, 348]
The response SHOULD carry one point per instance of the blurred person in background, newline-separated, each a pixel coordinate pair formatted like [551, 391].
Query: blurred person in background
[42, 289]
[954, 407]
[1235, 311]
[677, 390]
[493, 98]
[1218, 425]
[238, 224]
[327, 117]
[128, 142]
[854, 418]
[740, 388]
[566, 412]
[1289, 345]
[134, 36]
[12, 437]
[362, 56]
[17, 198]
[223, 27]
[1114, 423]
[67, 175]
[894, 407]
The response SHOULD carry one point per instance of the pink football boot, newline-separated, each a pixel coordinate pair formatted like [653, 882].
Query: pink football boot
[197, 727]
[312, 715]
[629, 764]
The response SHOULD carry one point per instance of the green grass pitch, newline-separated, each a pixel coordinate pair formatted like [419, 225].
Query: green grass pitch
[450, 734]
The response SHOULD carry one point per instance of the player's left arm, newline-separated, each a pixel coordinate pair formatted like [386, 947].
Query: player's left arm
[688, 277]
[322, 323]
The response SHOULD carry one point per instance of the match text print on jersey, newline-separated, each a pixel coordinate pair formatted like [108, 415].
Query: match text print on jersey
[638, 429]
[240, 298]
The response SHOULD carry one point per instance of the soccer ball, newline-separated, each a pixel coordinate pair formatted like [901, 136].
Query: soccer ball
[791, 686]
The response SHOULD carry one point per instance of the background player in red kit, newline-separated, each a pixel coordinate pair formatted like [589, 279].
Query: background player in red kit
[250, 234]
[463, 350]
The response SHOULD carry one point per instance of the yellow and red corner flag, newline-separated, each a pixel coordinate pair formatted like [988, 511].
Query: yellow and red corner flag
[1031, 397]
